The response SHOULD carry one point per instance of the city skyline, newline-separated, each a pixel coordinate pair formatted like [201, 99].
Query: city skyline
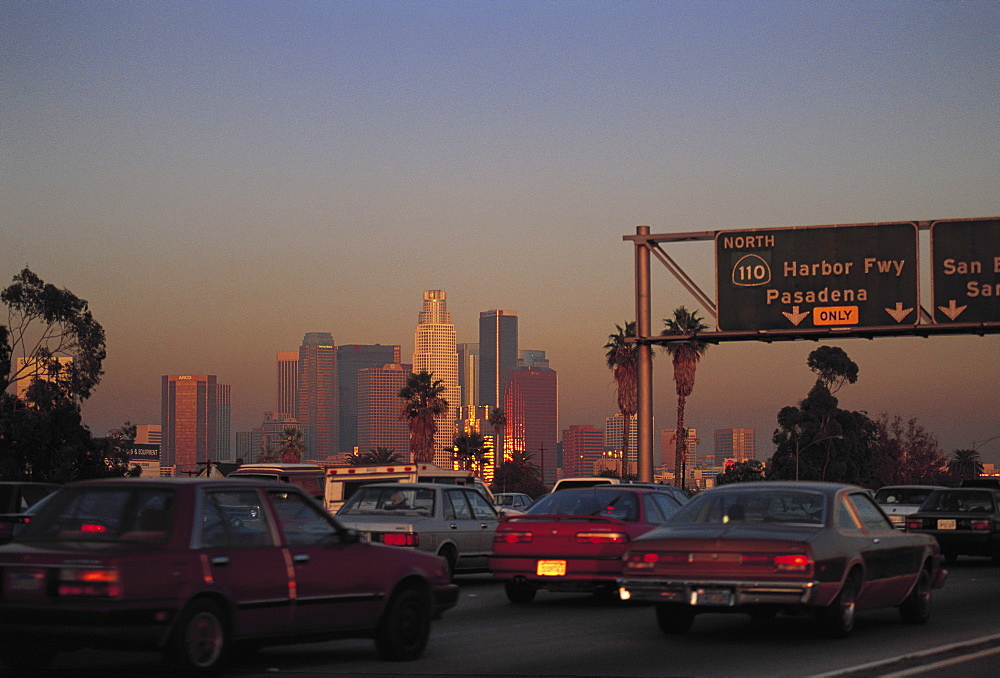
[217, 179]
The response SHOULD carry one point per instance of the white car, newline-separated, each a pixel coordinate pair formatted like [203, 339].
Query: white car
[456, 522]
[509, 503]
[899, 501]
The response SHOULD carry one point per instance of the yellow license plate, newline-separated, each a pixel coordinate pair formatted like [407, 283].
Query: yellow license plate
[896, 519]
[551, 568]
[946, 524]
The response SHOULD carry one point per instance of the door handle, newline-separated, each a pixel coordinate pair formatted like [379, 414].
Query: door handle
[454, 526]
[875, 540]
[220, 560]
[301, 558]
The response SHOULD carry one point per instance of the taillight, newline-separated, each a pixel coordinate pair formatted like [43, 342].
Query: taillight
[601, 538]
[792, 563]
[915, 524]
[513, 538]
[90, 583]
[93, 528]
[980, 524]
[401, 539]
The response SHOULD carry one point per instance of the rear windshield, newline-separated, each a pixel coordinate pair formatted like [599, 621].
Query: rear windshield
[390, 500]
[954, 501]
[913, 496]
[773, 506]
[105, 514]
[598, 501]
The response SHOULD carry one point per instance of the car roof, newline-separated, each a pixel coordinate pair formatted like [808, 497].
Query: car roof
[429, 486]
[772, 485]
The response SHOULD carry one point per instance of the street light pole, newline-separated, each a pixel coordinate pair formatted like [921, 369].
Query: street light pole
[818, 440]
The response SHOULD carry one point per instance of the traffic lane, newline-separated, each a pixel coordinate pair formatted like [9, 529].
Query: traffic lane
[563, 634]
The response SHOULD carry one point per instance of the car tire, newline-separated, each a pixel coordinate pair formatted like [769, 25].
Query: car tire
[916, 609]
[22, 654]
[674, 619]
[450, 558]
[950, 557]
[838, 617]
[200, 640]
[405, 627]
[520, 592]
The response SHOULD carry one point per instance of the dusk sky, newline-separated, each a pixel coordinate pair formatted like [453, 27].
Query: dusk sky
[218, 178]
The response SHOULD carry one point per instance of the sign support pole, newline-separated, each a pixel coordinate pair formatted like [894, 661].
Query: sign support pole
[644, 381]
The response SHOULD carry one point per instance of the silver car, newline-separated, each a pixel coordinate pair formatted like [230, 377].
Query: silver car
[899, 501]
[455, 522]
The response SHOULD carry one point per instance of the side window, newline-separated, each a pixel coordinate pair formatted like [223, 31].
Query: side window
[234, 519]
[869, 513]
[302, 523]
[653, 513]
[480, 507]
[667, 504]
[845, 519]
[459, 506]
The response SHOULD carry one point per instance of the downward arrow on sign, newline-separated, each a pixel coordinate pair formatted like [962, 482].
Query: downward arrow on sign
[899, 312]
[951, 310]
[795, 316]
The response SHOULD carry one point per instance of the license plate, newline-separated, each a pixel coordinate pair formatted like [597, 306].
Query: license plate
[712, 597]
[897, 520]
[946, 524]
[21, 583]
[551, 568]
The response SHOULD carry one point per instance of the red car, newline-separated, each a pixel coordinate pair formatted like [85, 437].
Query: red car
[768, 547]
[193, 568]
[573, 540]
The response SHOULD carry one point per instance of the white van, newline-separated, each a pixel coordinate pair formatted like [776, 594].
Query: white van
[310, 477]
[589, 481]
[344, 481]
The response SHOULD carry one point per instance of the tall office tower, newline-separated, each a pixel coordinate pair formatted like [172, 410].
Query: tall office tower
[287, 382]
[532, 396]
[468, 373]
[668, 443]
[435, 351]
[316, 408]
[244, 447]
[189, 420]
[379, 403]
[614, 437]
[350, 359]
[532, 359]
[583, 446]
[497, 354]
[737, 444]
[223, 419]
[30, 369]
[476, 420]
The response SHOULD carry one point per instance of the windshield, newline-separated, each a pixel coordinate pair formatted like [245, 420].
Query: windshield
[954, 501]
[913, 496]
[386, 500]
[106, 514]
[747, 506]
[611, 503]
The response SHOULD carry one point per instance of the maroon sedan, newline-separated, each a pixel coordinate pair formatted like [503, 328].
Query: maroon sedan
[768, 547]
[573, 540]
[194, 567]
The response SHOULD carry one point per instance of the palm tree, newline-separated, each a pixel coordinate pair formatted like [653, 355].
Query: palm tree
[376, 456]
[623, 360]
[965, 464]
[686, 355]
[469, 448]
[498, 420]
[293, 445]
[422, 405]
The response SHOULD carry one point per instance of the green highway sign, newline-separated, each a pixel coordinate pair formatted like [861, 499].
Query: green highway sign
[820, 277]
[965, 255]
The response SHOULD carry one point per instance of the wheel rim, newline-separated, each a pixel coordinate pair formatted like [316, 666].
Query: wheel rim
[848, 606]
[204, 639]
[410, 624]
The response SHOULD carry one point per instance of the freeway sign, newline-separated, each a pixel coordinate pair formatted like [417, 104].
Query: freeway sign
[862, 275]
[965, 255]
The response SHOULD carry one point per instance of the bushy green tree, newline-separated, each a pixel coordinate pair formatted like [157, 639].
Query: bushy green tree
[747, 471]
[520, 474]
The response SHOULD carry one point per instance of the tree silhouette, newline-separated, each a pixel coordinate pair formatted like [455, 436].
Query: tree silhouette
[623, 359]
[423, 403]
[685, 355]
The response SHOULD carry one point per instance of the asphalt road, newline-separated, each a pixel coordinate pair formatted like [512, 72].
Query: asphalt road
[578, 635]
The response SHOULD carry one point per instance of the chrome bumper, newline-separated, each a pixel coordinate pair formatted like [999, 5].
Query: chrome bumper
[717, 593]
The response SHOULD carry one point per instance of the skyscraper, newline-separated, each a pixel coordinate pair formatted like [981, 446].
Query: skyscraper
[468, 374]
[734, 443]
[189, 421]
[317, 395]
[435, 351]
[379, 424]
[583, 446]
[614, 438]
[287, 380]
[223, 422]
[531, 406]
[668, 443]
[497, 354]
[351, 358]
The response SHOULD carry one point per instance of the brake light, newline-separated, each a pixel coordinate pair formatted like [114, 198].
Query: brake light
[90, 583]
[980, 524]
[401, 539]
[513, 538]
[914, 524]
[601, 538]
[93, 528]
[792, 563]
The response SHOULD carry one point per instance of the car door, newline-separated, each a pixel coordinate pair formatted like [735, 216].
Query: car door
[894, 558]
[463, 528]
[240, 556]
[487, 517]
[338, 583]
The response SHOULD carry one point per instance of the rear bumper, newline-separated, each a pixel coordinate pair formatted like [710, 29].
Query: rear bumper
[142, 628]
[445, 598]
[579, 571]
[720, 593]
